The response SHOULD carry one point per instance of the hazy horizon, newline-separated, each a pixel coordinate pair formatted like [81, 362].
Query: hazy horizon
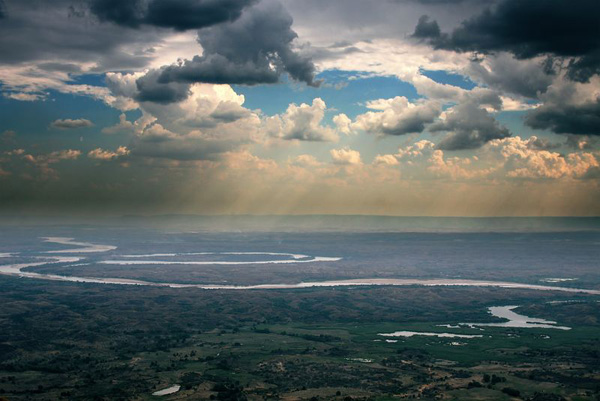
[316, 223]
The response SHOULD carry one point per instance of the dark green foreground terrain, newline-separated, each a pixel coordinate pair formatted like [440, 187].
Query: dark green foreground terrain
[64, 341]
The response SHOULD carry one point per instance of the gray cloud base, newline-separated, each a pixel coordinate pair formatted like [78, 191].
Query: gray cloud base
[180, 15]
[528, 29]
[567, 119]
[254, 49]
[469, 127]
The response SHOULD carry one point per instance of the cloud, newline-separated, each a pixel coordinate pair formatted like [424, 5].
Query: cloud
[513, 158]
[44, 47]
[582, 119]
[254, 49]
[427, 29]
[569, 108]
[468, 127]
[305, 161]
[397, 116]
[387, 160]
[210, 121]
[101, 154]
[469, 123]
[158, 142]
[60, 31]
[24, 97]
[216, 110]
[123, 126]
[152, 88]
[416, 150]
[228, 112]
[581, 142]
[403, 59]
[537, 143]
[560, 29]
[246, 161]
[453, 167]
[505, 73]
[25, 82]
[522, 160]
[517, 104]
[241, 182]
[68, 68]
[56, 156]
[123, 90]
[345, 156]
[181, 148]
[421, 160]
[71, 124]
[177, 14]
[219, 69]
[43, 161]
[302, 123]
[343, 123]
[14, 152]
[443, 2]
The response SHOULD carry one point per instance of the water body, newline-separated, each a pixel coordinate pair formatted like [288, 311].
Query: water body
[516, 320]
[16, 269]
[294, 259]
[167, 391]
[512, 318]
[557, 280]
[154, 255]
[363, 360]
[86, 247]
[427, 334]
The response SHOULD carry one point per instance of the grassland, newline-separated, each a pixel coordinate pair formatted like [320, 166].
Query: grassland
[64, 341]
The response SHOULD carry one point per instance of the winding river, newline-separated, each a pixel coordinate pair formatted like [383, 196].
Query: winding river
[18, 269]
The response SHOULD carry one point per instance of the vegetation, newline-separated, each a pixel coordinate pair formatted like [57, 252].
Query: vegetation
[65, 341]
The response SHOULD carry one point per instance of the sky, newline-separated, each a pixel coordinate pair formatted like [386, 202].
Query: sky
[390, 107]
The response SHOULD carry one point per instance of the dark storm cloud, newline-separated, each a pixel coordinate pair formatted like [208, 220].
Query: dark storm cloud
[59, 31]
[121, 12]
[180, 15]
[254, 49]
[469, 127]
[528, 29]
[579, 119]
[449, 2]
[259, 43]
[2, 9]
[151, 90]
[582, 69]
[218, 69]
[427, 29]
